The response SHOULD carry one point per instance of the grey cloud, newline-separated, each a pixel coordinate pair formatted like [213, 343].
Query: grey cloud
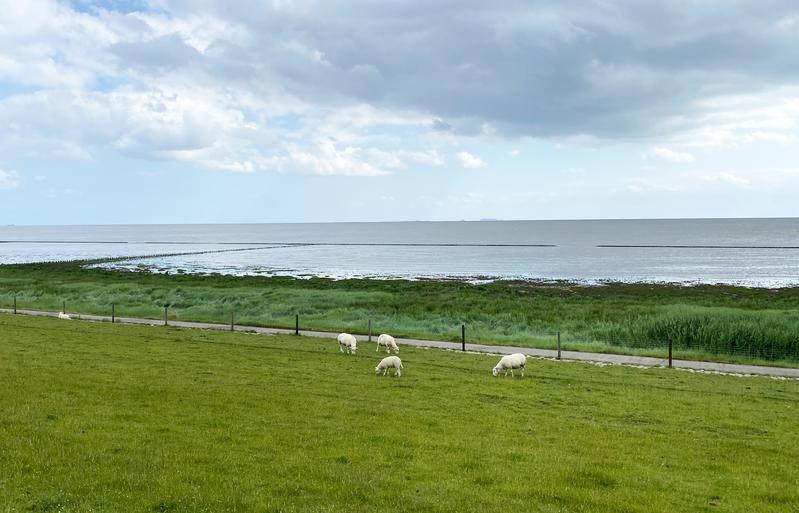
[163, 52]
[607, 69]
[441, 125]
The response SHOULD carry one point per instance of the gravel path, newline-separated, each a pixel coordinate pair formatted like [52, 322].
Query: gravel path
[482, 348]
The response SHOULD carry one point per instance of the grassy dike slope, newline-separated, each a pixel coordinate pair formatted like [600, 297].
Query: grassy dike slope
[703, 321]
[115, 418]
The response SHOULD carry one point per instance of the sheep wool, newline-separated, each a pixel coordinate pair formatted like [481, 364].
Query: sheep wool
[389, 362]
[510, 362]
[66, 317]
[347, 344]
[388, 342]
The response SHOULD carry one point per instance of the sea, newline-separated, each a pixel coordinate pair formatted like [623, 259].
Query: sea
[746, 252]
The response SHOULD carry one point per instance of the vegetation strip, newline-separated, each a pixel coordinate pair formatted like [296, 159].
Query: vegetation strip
[705, 322]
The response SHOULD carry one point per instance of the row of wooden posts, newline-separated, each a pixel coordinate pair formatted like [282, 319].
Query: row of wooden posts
[297, 326]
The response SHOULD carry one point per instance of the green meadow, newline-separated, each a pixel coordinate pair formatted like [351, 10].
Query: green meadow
[723, 323]
[116, 418]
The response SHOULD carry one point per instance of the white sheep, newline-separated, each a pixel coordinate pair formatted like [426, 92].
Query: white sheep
[347, 343]
[510, 362]
[66, 317]
[387, 341]
[389, 362]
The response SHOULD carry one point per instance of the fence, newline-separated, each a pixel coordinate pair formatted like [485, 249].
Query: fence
[667, 348]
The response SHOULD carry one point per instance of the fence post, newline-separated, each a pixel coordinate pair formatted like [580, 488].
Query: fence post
[231, 321]
[113, 313]
[370, 331]
[64, 306]
[15, 303]
[669, 353]
[559, 345]
[463, 337]
[165, 315]
[297, 323]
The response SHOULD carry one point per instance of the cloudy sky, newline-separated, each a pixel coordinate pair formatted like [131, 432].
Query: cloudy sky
[260, 111]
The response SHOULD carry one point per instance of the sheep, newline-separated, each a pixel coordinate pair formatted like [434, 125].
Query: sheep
[389, 362]
[387, 341]
[347, 343]
[66, 317]
[511, 361]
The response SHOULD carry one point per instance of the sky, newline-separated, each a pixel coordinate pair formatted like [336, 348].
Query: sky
[206, 111]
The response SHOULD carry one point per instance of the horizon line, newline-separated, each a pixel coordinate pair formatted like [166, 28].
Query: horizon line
[481, 220]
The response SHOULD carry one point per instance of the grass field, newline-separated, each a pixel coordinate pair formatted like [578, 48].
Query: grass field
[722, 323]
[114, 418]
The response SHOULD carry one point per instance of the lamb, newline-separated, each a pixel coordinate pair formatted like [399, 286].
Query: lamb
[511, 361]
[347, 343]
[387, 341]
[66, 317]
[389, 362]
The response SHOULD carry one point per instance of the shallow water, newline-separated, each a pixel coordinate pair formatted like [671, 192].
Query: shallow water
[752, 252]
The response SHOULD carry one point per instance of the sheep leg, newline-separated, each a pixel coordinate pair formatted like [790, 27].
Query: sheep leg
[340, 348]
[511, 373]
[398, 373]
[522, 371]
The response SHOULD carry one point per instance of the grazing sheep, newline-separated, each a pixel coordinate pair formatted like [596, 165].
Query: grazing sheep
[347, 343]
[387, 341]
[389, 362]
[66, 317]
[510, 362]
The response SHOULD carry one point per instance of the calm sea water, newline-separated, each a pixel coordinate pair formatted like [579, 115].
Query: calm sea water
[752, 252]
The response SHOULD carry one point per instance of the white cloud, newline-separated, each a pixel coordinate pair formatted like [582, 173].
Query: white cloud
[326, 159]
[472, 197]
[514, 153]
[727, 178]
[678, 157]
[470, 161]
[646, 184]
[9, 179]
[763, 180]
[732, 120]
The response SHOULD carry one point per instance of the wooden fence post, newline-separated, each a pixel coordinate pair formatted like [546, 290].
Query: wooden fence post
[64, 306]
[15, 303]
[370, 331]
[113, 313]
[297, 323]
[463, 337]
[231, 322]
[559, 345]
[165, 315]
[669, 353]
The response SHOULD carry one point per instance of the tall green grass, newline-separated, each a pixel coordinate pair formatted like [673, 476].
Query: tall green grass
[761, 334]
